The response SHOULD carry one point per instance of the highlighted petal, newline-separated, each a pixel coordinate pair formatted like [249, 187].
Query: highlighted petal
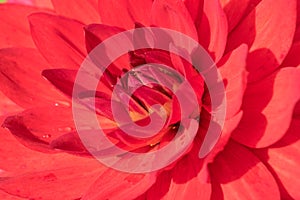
[194, 184]
[268, 107]
[241, 175]
[268, 34]
[233, 71]
[283, 160]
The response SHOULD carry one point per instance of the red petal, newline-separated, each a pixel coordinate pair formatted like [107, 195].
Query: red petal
[125, 13]
[37, 3]
[292, 59]
[6, 196]
[268, 108]
[283, 160]
[21, 80]
[229, 126]
[113, 185]
[212, 31]
[60, 40]
[17, 159]
[236, 10]
[233, 71]
[195, 8]
[62, 183]
[97, 33]
[14, 25]
[43, 4]
[186, 181]
[7, 107]
[84, 11]
[173, 15]
[242, 176]
[37, 127]
[268, 33]
[62, 79]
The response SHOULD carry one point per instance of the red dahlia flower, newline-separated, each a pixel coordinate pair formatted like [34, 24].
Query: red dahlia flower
[254, 44]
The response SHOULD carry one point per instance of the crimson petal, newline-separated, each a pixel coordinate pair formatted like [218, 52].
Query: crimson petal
[292, 59]
[236, 10]
[195, 8]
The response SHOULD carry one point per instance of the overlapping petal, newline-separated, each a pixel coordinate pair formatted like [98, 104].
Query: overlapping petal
[268, 35]
[264, 121]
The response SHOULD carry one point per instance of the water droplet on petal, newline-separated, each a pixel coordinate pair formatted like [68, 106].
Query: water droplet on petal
[62, 103]
[46, 136]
